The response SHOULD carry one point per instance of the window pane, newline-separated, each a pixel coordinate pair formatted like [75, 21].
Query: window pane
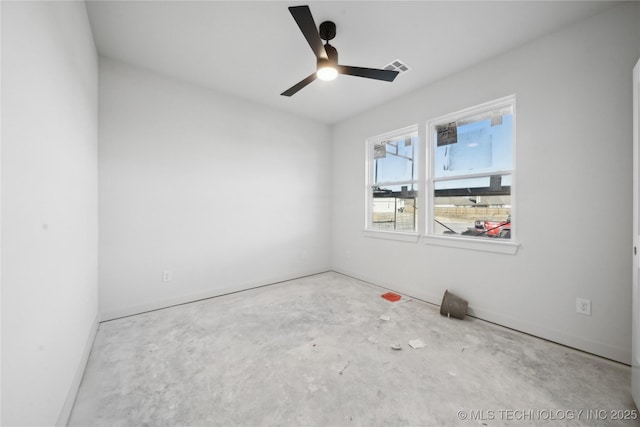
[392, 181]
[394, 208]
[478, 144]
[470, 171]
[394, 160]
[473, 207]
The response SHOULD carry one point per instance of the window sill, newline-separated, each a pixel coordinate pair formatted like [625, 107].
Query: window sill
[392, 235]
[494, 245]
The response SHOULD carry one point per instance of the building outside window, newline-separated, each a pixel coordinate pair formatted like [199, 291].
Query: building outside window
[392, 181]
[471, 172]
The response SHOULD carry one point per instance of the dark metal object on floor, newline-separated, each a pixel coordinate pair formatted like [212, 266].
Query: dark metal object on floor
[453, 306]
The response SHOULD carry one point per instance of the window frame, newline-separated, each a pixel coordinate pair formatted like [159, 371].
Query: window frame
[401, 235]
[507, 246]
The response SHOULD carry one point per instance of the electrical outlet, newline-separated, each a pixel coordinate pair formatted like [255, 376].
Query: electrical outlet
[166, 276]
[583, 306]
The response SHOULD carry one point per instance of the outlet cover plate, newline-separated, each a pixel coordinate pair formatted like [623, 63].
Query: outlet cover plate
[583, 306]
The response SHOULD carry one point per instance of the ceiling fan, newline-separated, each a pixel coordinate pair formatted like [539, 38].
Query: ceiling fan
[327, 55]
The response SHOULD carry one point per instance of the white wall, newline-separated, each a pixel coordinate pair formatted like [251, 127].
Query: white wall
[573, 165]
[49, 207]
[224, 193]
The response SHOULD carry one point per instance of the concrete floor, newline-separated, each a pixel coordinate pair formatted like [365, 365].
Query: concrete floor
[314, 352]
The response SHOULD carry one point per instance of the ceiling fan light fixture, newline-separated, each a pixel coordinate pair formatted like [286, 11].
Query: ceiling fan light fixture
[328, 68]
[327, 72]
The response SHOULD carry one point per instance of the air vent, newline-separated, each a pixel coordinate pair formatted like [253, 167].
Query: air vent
[398, 66]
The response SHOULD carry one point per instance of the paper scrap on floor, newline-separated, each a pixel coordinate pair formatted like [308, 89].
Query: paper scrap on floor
[385, 317]
[415, 344]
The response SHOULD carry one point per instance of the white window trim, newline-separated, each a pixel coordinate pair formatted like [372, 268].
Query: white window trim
[487, 245]
[478, 243]
[369, 231]
[400, 236]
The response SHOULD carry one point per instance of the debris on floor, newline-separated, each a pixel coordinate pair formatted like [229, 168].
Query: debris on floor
[391, 296]
[396, 346]
[345, 367]
[415, 344]
[453, 306]
[385, 317]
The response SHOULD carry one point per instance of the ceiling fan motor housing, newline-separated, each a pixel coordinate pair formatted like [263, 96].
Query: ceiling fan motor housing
[327, 30]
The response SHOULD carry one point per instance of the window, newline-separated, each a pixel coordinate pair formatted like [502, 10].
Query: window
[392, 183]
[471, 172]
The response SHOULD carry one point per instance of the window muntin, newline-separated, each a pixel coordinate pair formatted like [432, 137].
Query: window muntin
[471, 172]
[392, 183]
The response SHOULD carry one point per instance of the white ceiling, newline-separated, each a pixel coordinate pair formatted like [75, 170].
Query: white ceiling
[255, 50]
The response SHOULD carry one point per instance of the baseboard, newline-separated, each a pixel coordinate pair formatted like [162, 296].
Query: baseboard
[65, 413]
[617, 354]
[185, 299]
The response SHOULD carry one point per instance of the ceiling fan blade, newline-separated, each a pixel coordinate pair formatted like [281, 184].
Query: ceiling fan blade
[304, 19]
[293, 89]
[370, 73]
